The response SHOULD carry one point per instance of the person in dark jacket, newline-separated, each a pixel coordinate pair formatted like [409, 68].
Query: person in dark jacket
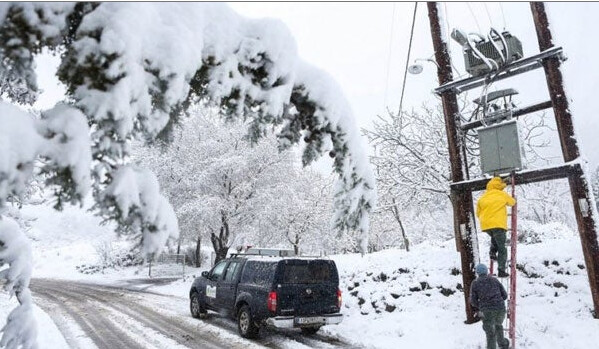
[488, 296]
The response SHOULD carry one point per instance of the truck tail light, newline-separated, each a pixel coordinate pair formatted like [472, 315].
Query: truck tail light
[339, 299]
[271, 303]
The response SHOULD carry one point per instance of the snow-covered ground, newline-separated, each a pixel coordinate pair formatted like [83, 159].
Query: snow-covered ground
[391, 299]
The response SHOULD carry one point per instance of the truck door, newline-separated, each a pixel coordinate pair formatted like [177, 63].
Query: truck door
[212, 281]
[227, 286]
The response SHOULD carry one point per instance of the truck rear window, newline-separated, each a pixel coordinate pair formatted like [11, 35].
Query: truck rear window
[307, 273]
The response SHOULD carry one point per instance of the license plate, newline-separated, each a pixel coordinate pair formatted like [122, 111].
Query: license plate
[308, 320]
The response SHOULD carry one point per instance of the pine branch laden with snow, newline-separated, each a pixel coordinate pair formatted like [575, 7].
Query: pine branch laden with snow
[134, 79]
[25, 29]
[134, 201]
[61, 140]
[20, 330]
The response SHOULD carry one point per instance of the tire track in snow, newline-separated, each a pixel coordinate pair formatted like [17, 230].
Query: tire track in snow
[169, 327]
[100, 330]
[166, 317]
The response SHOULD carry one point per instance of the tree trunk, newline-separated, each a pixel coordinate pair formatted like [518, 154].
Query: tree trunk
[198, 254]
[406, 242]
[220, 242]
[296, 244]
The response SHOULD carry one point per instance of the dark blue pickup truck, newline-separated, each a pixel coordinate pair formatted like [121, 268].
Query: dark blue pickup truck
[270, 291]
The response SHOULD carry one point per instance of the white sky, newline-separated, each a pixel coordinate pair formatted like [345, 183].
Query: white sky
[364, 46]
[355, 42]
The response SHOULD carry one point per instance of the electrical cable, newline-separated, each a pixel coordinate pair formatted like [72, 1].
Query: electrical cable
[473, 16]
[502, 15]
[405, 74]
[389, 56]
[488, 14]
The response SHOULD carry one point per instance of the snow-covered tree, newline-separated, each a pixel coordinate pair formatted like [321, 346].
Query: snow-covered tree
[134, 79]
[216, 178]
[236, 192]
[412, 167]
[411, 163]
[300, 212]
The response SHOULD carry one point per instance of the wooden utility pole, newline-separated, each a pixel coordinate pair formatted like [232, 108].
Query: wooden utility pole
[461, 200]
[579, 186]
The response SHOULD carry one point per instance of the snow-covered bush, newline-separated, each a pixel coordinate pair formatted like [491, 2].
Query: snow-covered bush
[532, 232]
[111, 257]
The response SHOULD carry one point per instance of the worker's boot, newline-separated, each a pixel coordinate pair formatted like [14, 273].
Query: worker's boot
[503, 274]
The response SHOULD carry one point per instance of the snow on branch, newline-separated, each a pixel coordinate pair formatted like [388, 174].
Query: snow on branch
[134, 201]
[136, 78]
[15, 251]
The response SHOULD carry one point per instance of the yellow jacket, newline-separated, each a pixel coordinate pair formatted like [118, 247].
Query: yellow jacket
[491, 208]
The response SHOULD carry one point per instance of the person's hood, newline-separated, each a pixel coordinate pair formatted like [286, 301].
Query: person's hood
[495, 183]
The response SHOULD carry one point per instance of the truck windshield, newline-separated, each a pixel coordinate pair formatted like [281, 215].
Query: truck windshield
[307, 273]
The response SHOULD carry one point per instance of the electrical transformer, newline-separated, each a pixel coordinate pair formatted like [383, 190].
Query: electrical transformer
[500, 148]
[476, 66]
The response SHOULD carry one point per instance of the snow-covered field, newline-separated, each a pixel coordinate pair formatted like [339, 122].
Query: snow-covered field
[391, 299]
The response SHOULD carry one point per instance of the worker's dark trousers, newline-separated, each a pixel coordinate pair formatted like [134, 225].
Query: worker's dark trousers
[498, 237]
[493, 327]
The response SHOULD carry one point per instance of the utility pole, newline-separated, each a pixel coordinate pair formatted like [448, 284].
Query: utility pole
[579, 186]
[461, 200]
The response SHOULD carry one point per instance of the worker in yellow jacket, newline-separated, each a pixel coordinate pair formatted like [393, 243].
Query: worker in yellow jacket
[491, 210]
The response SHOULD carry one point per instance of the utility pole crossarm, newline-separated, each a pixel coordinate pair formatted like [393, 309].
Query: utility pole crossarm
[523, 177]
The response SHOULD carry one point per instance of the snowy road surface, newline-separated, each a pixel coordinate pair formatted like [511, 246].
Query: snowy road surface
[94, 316]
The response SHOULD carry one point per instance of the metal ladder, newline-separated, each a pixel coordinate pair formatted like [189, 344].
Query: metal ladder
[510, 283]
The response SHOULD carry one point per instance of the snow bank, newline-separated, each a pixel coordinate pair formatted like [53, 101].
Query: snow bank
[415, 299]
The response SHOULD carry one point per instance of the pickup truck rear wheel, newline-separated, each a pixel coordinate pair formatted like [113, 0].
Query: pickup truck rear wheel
[310, 330]
[245, 323]
[195, 306]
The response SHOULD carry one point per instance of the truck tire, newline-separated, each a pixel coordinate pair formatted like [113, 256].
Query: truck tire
[195, 306]
[245, 323]
[310, 330]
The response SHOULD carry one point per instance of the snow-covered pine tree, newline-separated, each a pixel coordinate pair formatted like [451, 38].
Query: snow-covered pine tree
[133, 79]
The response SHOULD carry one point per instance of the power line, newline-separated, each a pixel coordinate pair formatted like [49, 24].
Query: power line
[405, 74]
[503, 15]
[488, 14]
[474, 16]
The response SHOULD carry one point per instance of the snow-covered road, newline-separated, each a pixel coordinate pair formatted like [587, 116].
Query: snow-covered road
[90, 315]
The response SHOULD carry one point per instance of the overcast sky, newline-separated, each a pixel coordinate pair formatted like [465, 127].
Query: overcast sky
[364, 46]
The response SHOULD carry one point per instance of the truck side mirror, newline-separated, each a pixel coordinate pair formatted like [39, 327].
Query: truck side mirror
[206, 274]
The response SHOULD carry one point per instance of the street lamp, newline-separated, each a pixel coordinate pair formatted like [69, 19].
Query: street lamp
[418, 68]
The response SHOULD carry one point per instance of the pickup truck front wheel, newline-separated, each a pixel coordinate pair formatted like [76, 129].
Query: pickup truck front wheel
[195, 306]
[245, 323]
